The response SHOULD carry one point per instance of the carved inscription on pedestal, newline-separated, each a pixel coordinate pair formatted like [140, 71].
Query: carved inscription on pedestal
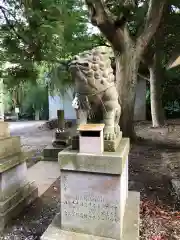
[90, 203]
[90, 208]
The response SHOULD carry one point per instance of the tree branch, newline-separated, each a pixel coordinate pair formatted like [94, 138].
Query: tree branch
[153, 18]
[11, 27]
[101, 18]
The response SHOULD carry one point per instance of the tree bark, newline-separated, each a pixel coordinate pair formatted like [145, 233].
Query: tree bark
[156, 78]
[126, 76]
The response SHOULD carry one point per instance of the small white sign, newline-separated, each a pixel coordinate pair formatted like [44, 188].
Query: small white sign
[16, 110]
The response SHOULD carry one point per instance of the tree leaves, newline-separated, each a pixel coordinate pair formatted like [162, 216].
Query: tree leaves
[35, 32]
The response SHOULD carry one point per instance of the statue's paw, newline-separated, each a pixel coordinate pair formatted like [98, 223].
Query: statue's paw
[117, 130]
[109, 136]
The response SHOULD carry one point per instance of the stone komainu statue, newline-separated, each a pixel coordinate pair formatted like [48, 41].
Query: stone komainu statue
[95, 89]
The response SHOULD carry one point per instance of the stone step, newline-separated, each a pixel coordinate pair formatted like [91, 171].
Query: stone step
[9, 146]
[4, 130]
[13, 175]
[13, 206]
[44, 174]
[12, 161]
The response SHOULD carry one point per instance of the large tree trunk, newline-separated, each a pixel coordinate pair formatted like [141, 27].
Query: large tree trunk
[126, 77]
[157, 111]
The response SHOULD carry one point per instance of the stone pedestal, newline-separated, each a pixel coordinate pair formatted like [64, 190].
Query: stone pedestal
[15, 190]
[62, 139]
[95, 202]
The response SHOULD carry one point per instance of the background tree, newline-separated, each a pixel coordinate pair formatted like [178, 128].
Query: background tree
[36, 35]
[37, 32]
[163, 46]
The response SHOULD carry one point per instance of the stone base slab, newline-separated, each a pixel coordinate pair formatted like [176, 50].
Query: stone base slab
[130, 225]
[106, 163]
[9, 146]
[14, 205]
[12, 161]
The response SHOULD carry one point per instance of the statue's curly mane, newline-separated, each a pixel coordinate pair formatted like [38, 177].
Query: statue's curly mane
[94, 68]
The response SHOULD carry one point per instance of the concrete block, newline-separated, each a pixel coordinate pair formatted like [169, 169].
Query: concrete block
[16, 191]
[9, 146]
[4, 130]
[11, 161]
[12, 179]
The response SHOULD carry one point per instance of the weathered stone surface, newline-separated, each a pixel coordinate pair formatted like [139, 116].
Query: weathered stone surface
[4, 130]
[130, 226]
[44, 174]
[11, 161]
[12, 180]
[108, 162]
[94, 189]
[15, 197]
[112, 145]
[50, 153]
[15, 190]
[14, 205]
[9, 146]
[93, 204]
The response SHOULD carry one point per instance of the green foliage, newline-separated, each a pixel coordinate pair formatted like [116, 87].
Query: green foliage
[35, 97]
[59, 78]
[36, 33]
